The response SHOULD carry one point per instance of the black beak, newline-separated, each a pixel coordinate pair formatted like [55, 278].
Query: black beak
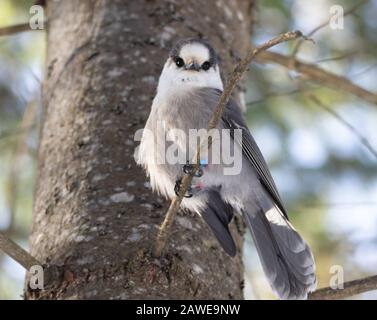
[192, 66]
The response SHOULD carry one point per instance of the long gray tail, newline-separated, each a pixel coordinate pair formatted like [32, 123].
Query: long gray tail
[286, 258]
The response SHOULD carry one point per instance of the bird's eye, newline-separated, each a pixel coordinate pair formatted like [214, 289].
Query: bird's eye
[179, 62]
[206, 65]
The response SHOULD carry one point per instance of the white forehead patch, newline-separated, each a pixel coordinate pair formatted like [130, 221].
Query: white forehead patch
[196, 51]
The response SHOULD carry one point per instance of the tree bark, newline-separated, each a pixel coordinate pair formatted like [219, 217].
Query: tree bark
[95, 218]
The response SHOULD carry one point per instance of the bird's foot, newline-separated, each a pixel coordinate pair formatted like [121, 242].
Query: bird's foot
[189, 168]
[177, 188]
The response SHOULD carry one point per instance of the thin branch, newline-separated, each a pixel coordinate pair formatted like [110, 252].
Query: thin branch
[15, 132]
[337, 58]
[318, 75]
[232, 82]
[325, 24]
[7, 31]
[274, 95]
[363, 140]
[13, 250]
[367, 69]
[351, 288]
[19, 149]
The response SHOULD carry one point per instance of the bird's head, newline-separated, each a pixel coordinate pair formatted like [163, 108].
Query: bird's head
[191, 63]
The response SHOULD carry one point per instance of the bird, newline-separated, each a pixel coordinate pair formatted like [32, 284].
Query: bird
[188, 91]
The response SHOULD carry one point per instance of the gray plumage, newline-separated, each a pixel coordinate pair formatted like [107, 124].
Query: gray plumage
[218, 214]
[285, 256]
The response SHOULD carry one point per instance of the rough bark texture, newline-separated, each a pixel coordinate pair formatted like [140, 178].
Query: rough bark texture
[95, 218]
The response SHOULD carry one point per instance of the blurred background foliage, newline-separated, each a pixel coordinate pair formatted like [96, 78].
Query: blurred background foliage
[327, 178]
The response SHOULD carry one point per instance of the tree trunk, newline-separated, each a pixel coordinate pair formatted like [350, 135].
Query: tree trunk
[95, 217]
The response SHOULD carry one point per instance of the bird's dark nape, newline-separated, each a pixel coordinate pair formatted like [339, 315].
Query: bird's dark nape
[218, 214]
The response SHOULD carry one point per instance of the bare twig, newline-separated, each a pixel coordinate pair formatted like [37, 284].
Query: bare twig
[17, 253]
[318, 75]
[14, 171]
[7, 31]
[232, 82]
[274, 95]
[361, 72]
[348, 55]
[323, 25]
[363, 140]
[350, 289]
[15, 132]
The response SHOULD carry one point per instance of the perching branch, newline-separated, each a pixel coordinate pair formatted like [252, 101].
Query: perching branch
[350, 289]
[13, 250]
[318, 75]
[232, 82]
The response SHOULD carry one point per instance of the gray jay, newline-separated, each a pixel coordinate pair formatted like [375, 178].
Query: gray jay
[188, 91]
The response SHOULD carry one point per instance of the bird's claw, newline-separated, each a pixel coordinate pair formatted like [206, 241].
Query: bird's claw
[189, 168]
[177, 188]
